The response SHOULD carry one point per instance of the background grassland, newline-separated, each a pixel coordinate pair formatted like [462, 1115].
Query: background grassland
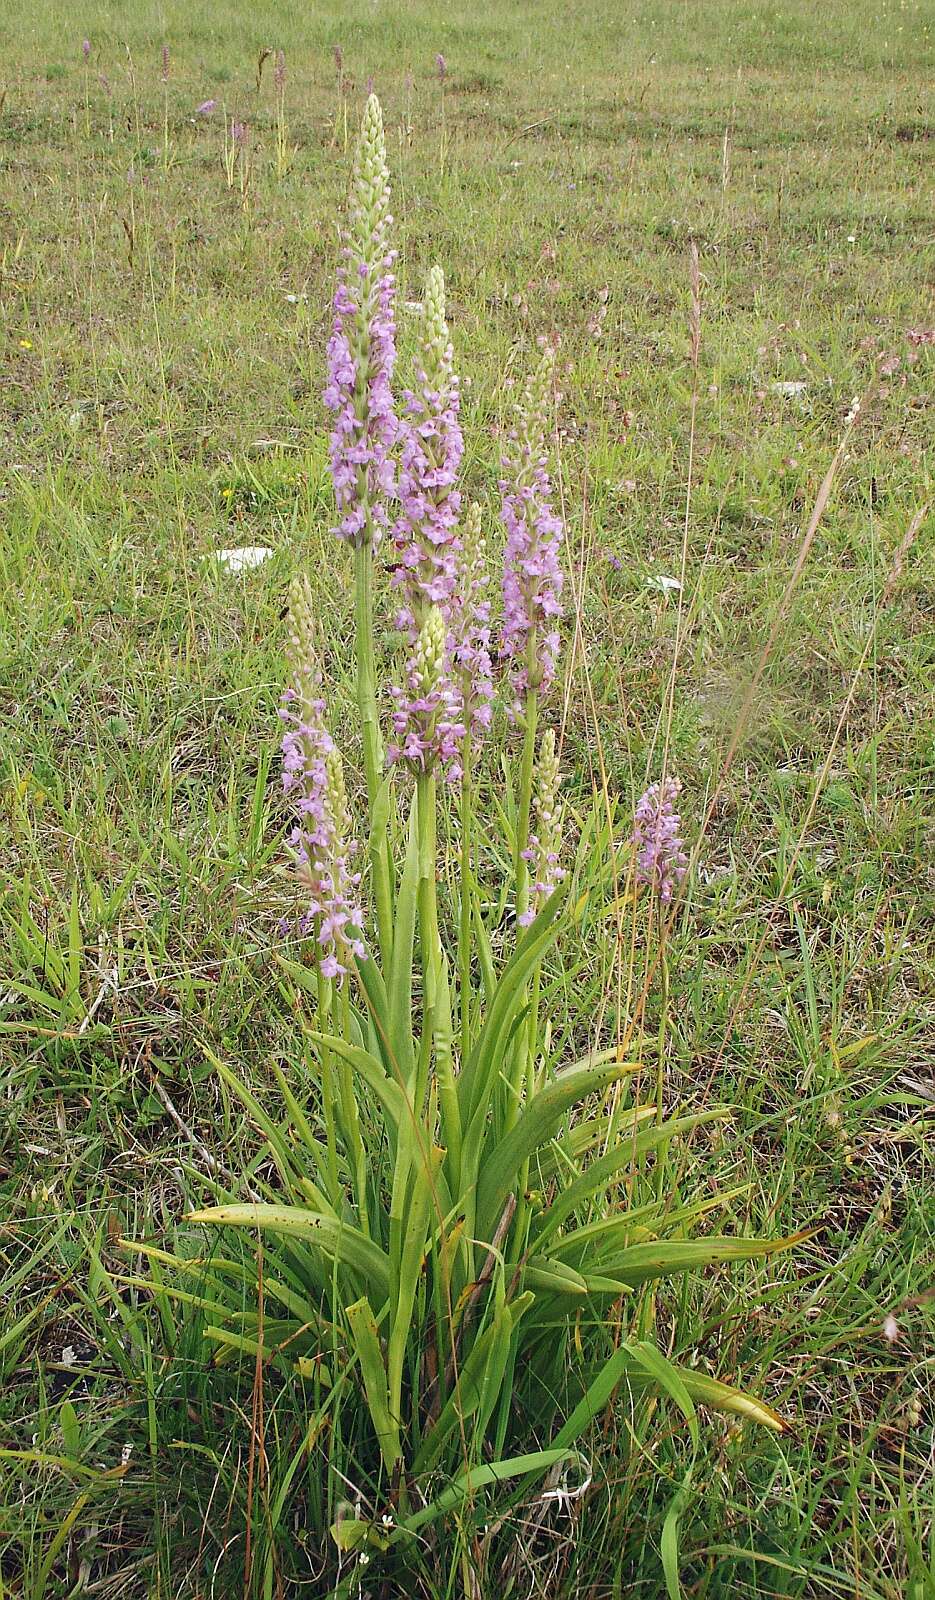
[162, 367]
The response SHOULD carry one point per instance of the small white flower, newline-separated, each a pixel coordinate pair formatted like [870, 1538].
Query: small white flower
[890, 1328]
[68, 1356]
[666, 585]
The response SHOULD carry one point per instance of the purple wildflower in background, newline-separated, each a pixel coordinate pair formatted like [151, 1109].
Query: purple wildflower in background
[313, 777]
[238, 132]
[362, 347]
[427, 731]
[542, 853]
[165, 63]
[86, 50]
[661, 862]
[206, 107]
[441, 67]
[469, 629]
[532, 576]
[426, 533]
[339, 61]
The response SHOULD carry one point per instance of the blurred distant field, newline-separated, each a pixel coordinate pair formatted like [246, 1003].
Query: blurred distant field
[165, 300]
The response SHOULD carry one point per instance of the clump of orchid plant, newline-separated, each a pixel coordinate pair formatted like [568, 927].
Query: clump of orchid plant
[442, 1213]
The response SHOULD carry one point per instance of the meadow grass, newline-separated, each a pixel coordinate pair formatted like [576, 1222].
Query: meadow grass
[164, 321]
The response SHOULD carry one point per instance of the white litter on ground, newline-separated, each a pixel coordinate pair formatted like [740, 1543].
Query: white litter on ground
[249, 555]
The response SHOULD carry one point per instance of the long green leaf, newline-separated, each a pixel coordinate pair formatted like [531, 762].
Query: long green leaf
[477, 1381]
[561, 1158]
[590, 1184]
[338, 1240]
[623, 1366]
[536, 1124]
[377, 1004]
[300, 1122]
[592, 1241]
[667, 1377]
[724, 1397]
[470, 1482]
[420, 1210]
[483, 950]
[657, 1258]
[278, 1147]
[391, 1097]
[480, 1068]
[367, 1344]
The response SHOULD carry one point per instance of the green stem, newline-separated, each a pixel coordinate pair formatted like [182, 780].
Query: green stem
[373, 746]
[464, 945]
[428, 902]
[437, 1025]
[366, 690]
[521, 878]
[351, 1120]
[645, 1317]
[327, 1092]
[527, 1051]
[520, 867]
[662, 1153]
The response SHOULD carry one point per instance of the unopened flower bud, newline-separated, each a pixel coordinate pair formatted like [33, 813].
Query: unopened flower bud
[426, 723]
[545, 844]
[430, 651]
[532, 575]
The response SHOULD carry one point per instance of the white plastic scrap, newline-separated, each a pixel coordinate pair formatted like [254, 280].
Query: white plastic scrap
[563, 1492]
[249, 555]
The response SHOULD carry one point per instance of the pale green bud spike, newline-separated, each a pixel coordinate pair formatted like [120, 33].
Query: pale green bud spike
[474, 548]
[473, 530]
[301, 651]
[538, 398]
[370, 186]
[436, 341]
[430, 651]
[474, 564]
[526, 451]
[336, 798]
[547, 807]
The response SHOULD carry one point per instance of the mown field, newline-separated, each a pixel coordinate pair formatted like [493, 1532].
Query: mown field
[165, 300]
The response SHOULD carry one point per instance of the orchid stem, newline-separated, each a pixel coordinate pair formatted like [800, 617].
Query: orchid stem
[373, 745]
[464, 953]
[520, 867]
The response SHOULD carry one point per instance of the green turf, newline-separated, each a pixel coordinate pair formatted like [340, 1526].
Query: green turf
[163, 362]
